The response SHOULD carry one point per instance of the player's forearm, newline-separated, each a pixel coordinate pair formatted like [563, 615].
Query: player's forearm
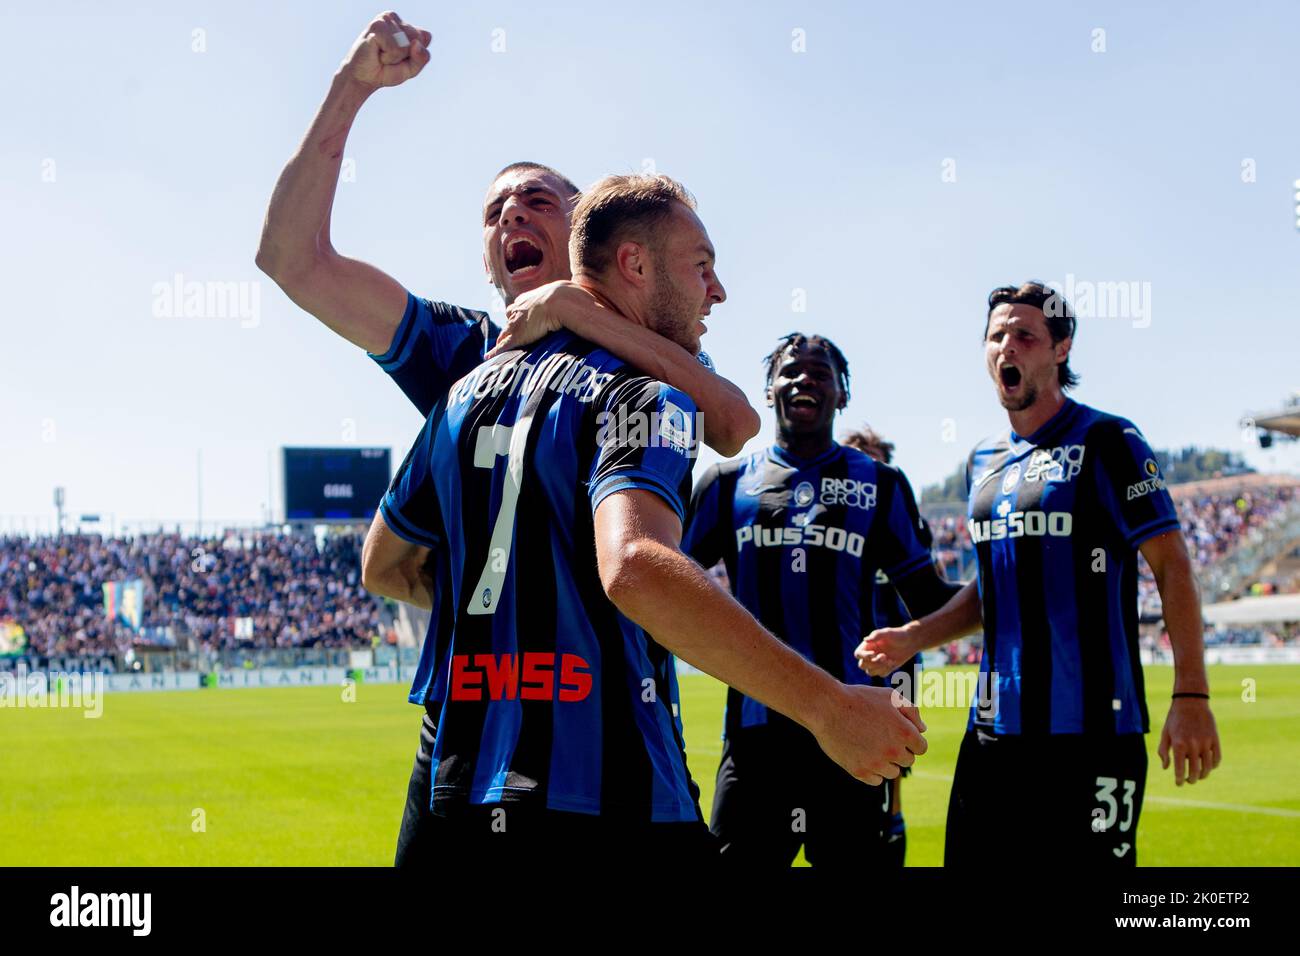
[959, 617]
[670, 596]
[296, 230]
[404, 583]
[729, 420]
[1181, 599]
[925, 591]
[394, 568]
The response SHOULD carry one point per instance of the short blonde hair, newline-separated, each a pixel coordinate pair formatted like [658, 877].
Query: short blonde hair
[618, 209]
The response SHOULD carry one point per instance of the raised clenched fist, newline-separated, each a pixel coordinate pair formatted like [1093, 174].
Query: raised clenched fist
[391, 51]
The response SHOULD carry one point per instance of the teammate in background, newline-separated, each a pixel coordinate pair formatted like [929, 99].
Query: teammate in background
[870, 442]
[1053, 765]
[557, 477]
[426, 345]
[891, 612]
[802, 527]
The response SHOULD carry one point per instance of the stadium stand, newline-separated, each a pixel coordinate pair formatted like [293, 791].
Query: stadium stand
[264, 589]
[1232, 526]
[242, 589]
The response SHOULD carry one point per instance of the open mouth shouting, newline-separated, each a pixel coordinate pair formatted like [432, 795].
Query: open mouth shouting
[803, 406]
[1010, 379]
[523, 257]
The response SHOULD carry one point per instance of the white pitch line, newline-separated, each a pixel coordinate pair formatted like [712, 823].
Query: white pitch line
[1234, 807]
[1175, 801]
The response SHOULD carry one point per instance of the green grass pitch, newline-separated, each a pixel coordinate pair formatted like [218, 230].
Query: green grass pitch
[300, 776]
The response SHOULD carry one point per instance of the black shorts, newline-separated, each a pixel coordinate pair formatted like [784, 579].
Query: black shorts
[777, 790]
[418, 838]
[465, 837]
[1066, 799]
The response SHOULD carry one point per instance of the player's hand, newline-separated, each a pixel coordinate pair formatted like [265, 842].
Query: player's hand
[539, 312]
[1193, 739]
[872, 732]
[885, 650]
[391, 51]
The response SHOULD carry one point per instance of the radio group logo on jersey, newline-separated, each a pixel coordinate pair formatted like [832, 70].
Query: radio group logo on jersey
[804, 494]
[849, 492]
[1055, 464]
[1152, 483]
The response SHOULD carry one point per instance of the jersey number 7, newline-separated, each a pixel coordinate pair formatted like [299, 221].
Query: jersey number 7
[490, 442]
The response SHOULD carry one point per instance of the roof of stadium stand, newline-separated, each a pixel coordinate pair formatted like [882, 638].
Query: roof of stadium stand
[1285, 419]
[1270, 609]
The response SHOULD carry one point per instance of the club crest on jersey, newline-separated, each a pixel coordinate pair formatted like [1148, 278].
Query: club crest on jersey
[1154, 482]
[804, 494]
[1011, 478]
[1054, 464]
[848, 491]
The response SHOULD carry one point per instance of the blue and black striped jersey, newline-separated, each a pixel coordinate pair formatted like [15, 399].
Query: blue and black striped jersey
[802, 541]
[435, 345]
[1056, 518]
[551, 695]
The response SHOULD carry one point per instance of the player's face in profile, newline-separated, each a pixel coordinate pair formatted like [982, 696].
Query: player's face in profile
[1019, 354]
[805, 391]
[685, 286]
[526, 231]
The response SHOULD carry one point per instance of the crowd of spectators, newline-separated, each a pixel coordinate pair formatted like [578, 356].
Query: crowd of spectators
[952, 547]
[1266, 636]
[271, 590]
[1216, 524]
[247, 589]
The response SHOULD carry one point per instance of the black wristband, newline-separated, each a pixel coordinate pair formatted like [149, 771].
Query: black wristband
[1192, 694]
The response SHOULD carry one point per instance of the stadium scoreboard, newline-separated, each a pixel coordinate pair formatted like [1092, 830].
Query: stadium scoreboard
[334, 484]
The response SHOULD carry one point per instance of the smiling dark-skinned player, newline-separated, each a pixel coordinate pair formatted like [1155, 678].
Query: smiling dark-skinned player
[802, 527]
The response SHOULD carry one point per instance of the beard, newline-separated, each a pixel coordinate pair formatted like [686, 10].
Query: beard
[672, 313]
[1028, 395]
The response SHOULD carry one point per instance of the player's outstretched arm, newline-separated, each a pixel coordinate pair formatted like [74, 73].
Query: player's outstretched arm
[729, 420]
[395, 568]
[653, 583]
[926, 591]
[885, 650]
[1189, 732]
[356, 300]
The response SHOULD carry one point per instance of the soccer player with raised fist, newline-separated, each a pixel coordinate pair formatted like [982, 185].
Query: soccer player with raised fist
[425, 345]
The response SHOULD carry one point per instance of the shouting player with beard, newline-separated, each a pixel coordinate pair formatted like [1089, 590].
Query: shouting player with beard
[1052, 769]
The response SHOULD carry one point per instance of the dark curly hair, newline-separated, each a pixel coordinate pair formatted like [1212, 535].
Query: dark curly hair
[798, 340]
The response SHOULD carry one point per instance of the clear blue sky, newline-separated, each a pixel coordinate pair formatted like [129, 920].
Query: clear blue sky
[821, 171]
